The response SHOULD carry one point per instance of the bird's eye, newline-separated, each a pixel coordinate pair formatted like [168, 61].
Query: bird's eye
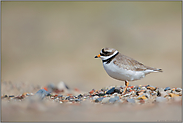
[103, 51]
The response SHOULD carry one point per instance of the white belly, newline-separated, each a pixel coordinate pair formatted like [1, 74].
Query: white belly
[122, 74]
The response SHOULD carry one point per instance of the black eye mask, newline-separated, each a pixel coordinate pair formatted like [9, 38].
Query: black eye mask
[104, 53]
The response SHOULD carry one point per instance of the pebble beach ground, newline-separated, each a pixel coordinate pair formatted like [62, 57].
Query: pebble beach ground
[25, 102]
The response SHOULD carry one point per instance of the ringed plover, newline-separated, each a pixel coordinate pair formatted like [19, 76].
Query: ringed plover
[122, 67]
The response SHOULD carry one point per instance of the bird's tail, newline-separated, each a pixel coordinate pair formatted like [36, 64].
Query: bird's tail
[158, 70]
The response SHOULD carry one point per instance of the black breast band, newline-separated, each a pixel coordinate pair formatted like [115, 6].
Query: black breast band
[110, 59]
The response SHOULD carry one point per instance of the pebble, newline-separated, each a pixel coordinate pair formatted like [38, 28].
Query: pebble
[101, 93]
[131, 100]
[105, 100]
[77, 100]
[95, 97]
[142, 97]
[167, 88]
[160, 99]
[110, 91]
[80, 96]
[112, 100]
[42, 93]
[144, 88]
[173, 95]
[178, 89]
[99, 99]
[127, 95]
[117, 91]
[138, 94]
[152, 88]
[11, 96]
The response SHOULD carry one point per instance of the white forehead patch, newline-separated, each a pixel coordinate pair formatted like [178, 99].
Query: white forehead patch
[109, 50]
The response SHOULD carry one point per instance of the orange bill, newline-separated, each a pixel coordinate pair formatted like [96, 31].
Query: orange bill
[97, 56]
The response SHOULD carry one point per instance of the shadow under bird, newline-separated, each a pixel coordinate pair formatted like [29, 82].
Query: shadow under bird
[122, 67]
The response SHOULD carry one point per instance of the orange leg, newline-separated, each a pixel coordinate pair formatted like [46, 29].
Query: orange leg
[126, 84]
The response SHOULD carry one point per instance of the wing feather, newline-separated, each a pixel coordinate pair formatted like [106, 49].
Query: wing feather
[128, 63]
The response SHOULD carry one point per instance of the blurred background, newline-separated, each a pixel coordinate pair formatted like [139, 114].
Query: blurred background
[49, 42]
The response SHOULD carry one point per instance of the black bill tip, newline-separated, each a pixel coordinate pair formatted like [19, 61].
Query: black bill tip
[96, 56]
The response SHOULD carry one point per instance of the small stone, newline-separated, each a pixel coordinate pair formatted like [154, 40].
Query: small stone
[143, 97]
[131, 100]
[128, 94]
[167, 88]
[117, 91]
[30, 94]
[136, 88]
[113, 100]
[92, 91]
[4, 96]
[115, 94]
[101, 93]
[147, 95]
[160, 99]
[105, 100]
[151, 88]
[42, 93]
[141, 101]
[95, 97]
[99, 99]
[169, 91]
[144, 88]
[59, 95]
[139, 93]
[120, 101]
[178, 89]
[80, 96]
[110, 91]
[11, 96]
[116, 97]
[173, 95]
[77, 100]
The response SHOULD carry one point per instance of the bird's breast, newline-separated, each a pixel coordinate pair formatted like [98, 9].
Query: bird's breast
[122, 74]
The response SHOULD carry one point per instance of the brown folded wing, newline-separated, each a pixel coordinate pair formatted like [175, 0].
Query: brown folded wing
[128, 63]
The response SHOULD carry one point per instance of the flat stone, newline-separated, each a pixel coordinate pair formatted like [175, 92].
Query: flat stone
[163, 94]
[127, 95]
[95, 97]
[112, 100]
[42, 93]
[151, 88]
[160, 99]
[99, 99]
[101, 93]
[167, 88]
[178, 89]
[105, 100]
[173, 95]
[131, 100]
[77, 100]
[144, 88]
[143, 97]
[110, 91]
[117, 91]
